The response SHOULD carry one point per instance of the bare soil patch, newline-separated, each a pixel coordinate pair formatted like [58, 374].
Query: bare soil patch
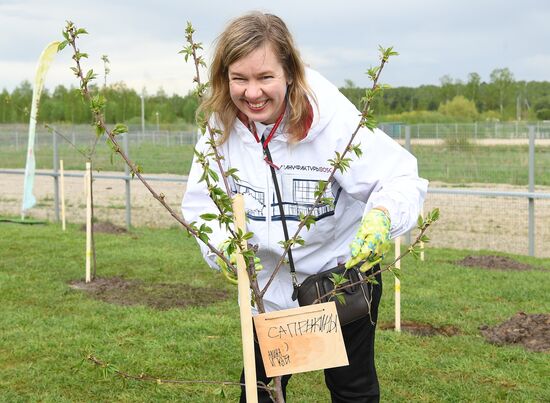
[162, 296]
[532, 331]
[422, 329]
[106, 228]
[494, 262]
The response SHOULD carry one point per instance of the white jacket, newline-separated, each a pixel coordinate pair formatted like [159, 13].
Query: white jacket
[385, 175]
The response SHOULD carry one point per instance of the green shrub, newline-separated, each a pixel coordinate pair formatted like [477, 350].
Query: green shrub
[460, 109]
[543, 114]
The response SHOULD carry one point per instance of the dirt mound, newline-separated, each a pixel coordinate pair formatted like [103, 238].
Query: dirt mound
[530, 330]
[116, 290]
[494, 262]
[106, 228]
[421, 329]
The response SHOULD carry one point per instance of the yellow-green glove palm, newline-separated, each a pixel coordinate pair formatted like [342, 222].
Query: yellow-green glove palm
[372, 240]
[227, 271]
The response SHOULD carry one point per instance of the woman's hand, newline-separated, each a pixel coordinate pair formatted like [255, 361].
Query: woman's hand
[372, 240]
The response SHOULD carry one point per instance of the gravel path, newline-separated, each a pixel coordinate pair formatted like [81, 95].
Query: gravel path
[468, 222]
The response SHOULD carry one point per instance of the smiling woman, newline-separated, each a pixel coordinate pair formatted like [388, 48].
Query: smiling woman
[258, 85]
[264, 68]
[281, 125]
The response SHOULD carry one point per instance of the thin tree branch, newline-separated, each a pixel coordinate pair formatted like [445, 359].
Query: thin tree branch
[315, 204]
[149, 378]
[100, 123]
[54, 130]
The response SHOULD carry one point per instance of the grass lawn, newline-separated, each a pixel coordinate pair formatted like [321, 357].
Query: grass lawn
[153, 158]
[47, 328]
[486, 164]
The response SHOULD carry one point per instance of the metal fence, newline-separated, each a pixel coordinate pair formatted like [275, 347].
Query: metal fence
[15, 136]
[473, 131]
[490, 181]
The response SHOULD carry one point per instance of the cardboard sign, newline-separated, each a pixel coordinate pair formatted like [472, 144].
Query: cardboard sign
[301, 339]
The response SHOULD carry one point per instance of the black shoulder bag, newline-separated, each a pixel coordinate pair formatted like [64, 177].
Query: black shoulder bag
[357, 297]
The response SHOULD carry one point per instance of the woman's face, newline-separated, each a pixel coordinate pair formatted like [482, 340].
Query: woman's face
[257, 85]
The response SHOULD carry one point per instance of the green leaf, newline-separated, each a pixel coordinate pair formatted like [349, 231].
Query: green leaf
[308, 221]
[338, 279]
[329, 201]
[205, 228]
[203, 177]
[321, 186]
[97, 103]
[299, 241]
[189, 28]
[372, 72]
[62, 45]
[220, 392]
[213, 175]
[356, 149]
[248, 255]
[414, 252]
[370, 122]
[232, 173]
[209, 217]
[434, 214]
[203, 237]
[90, 74]
[372, 280]
[119, 129]
[341, 299]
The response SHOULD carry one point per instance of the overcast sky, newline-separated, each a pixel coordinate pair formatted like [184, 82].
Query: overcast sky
[337, 37]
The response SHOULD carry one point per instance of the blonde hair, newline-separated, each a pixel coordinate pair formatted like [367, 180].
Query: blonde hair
[242, 36]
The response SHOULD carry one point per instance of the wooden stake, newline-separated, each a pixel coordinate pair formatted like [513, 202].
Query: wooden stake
[88, 221]
[397, 287]
[62, 176]
[422, 243]
[247, 332]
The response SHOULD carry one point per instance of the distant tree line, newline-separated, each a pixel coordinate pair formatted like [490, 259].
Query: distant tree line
[123, 105]
[502, 98]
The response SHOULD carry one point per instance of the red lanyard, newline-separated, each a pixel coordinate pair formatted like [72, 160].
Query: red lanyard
[265, 142]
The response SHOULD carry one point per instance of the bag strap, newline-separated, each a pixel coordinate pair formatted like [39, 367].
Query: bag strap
[283, 217]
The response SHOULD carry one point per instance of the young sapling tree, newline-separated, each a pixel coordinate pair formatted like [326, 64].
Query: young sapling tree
[221, 196]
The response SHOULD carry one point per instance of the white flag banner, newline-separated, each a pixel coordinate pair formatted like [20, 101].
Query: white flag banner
[43, 65]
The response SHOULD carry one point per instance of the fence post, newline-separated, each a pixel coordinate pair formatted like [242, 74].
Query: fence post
[56, 176]
[408, 148]
[531, 190]
[125, 144]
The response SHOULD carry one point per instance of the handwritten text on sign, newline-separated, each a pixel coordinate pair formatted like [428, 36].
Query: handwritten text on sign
[301, 339]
